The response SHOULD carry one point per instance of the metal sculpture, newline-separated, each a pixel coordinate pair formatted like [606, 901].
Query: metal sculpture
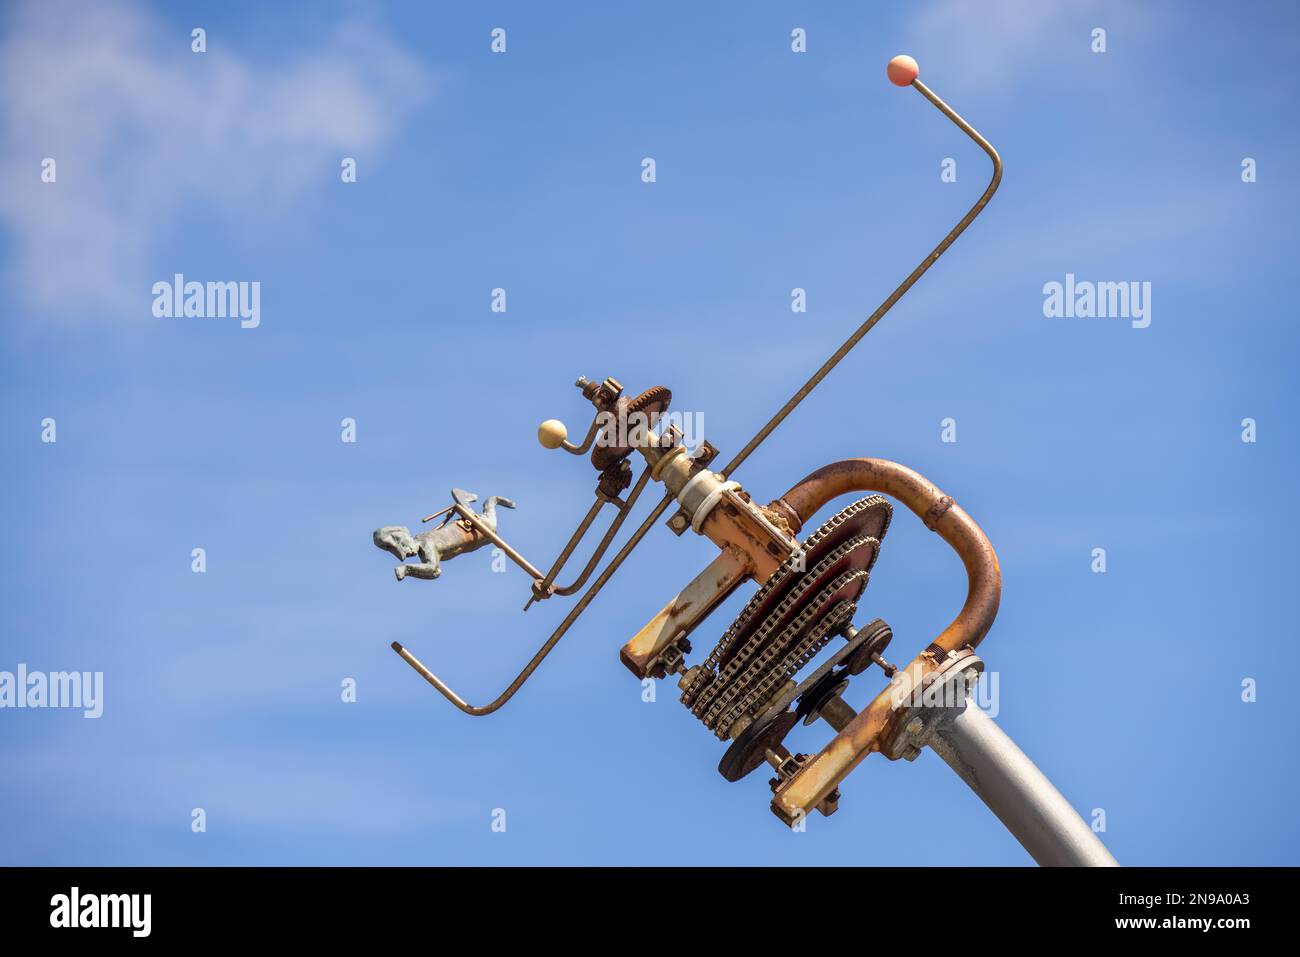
[748, 690]
[468, 533]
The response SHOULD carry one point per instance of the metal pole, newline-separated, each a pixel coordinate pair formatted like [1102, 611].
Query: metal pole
[1016, 791]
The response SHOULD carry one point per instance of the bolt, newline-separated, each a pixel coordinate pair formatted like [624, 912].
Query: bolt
[915, 726]
[884, 665]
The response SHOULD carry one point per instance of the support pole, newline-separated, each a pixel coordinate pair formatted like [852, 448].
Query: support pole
[1015, 790]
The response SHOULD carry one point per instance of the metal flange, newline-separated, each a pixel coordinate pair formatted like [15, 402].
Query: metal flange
[921, 709]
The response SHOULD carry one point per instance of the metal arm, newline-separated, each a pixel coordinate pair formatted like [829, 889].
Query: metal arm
[546, 586]
[552, 641]
[898, 293]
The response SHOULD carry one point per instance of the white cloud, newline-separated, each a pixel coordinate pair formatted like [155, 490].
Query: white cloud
[140, 126]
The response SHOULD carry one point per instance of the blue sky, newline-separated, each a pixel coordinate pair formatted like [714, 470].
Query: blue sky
[522, 171]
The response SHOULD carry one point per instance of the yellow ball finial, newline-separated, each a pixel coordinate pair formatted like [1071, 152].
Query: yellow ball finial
[552, 434]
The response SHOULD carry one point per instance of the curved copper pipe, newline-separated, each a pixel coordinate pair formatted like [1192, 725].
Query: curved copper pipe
[984, 589]
[823, 773]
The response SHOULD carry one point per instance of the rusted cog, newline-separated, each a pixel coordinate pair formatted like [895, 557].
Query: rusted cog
[868, 517]
[653, 402]
[816, 615]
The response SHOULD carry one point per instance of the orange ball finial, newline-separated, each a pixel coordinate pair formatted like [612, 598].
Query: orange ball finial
[902, 70]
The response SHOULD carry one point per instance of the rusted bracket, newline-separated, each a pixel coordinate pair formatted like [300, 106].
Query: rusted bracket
[644, 654]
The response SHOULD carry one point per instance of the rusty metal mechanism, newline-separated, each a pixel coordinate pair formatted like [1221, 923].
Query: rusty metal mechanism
[748, 690]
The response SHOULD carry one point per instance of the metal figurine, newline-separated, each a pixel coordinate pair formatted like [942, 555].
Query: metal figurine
[444, 542]
[749, 690]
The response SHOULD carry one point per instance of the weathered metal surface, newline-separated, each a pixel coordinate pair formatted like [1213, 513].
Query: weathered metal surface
[754, 683]
[685, 611]
[823, 773]
[488, 531]
[855, 531]
[946, 685]
[953, 525]
[807, 700]
[447, 541]
[737, 523]
[863, 524]
[617, 440]
[751, 746]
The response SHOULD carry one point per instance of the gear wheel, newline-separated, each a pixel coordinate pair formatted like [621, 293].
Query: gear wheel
[769, 728]
[653, 402]
[790, 619]
[869, 517]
